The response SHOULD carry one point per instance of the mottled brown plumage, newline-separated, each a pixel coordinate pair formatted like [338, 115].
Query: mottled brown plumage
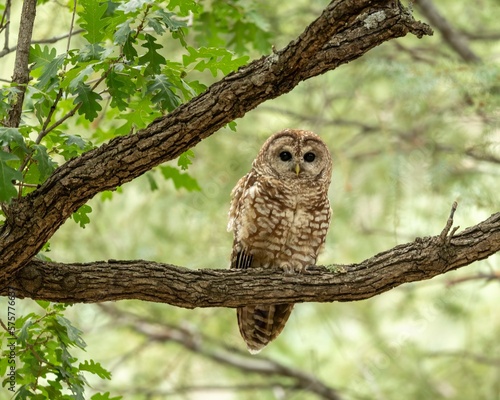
[280, 215]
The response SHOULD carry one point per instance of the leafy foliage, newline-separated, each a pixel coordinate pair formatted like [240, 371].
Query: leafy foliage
[119, 79]
[81, 215]
[47, 367]
[180, 179]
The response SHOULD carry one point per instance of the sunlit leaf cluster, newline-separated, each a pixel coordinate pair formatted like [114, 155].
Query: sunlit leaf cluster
[125, 64]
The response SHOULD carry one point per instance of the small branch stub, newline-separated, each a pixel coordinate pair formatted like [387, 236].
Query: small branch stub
[443, 237]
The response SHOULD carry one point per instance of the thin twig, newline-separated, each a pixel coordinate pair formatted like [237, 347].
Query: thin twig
[54, 39]
[481, 276]
[5, 24]
[2, 324]
[443, 236]
[481, 35]
[479, 358]
[71, 27]
[424, 56]
[157, 393]
[23, 185]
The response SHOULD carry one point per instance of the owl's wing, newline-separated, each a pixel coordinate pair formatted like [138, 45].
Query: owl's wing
[241, 259]
[237, 196]
[241, 194]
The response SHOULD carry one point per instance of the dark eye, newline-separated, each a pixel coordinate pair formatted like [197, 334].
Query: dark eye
[285, 156]
[309, 157]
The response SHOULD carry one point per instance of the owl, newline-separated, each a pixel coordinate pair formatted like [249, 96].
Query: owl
[279, 215]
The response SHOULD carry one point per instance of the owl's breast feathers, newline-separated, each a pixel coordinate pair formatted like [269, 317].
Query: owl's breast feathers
[277, 224]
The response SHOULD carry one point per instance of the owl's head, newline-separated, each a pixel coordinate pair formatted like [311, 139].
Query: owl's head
[296, 155]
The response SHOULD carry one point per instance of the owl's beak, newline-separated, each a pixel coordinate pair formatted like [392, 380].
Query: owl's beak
[297, 169]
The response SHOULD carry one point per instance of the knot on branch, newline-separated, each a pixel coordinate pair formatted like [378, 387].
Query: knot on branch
[31, 279]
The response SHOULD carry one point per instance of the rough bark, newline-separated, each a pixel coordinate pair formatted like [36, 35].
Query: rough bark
[117, 280]
[345, 31]
[21, 75]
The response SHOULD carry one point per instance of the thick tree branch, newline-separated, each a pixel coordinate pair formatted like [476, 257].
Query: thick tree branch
[116, 280]
[346, 30]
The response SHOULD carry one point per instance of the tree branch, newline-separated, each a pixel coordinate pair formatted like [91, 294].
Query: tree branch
[450, 35]
[222, 353]
[21, 75]
[54, 39]
[346, 30]
[149, 281]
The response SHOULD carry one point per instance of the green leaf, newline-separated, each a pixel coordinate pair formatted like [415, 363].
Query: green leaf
[232, 125]
[175, 73]
[106, 195]
[12, 135]
[8, 96]
[76, 140]
[24, 331]
[252, 30]
[95, 368]
[41, 57]
[93, 20]
[120, 88]
[181, 180]
[46, 60]
[185, 6]
[8, 175]
[155, 21]
[184, 159]
[171, 23]
[122, 33]
[43, 303]
[163, 95]
[152, 58]
[88, 100]
[144, 113]
[105, 396]
[74, 334]
[44, 163]
[213, 59]
[93, 51]
[80, 77]
[80, 216]
[132, 6]
[128, 48]
[152, 182]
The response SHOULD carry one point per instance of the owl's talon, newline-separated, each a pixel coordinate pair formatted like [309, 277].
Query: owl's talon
[306, 269]
[288, 269]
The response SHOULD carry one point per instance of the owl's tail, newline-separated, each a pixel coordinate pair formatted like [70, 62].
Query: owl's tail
[261, 324]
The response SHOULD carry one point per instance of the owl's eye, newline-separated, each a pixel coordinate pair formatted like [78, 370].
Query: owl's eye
[309, 157]
[285, 156]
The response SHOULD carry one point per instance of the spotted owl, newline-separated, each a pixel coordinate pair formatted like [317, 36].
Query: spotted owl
[280, 215]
